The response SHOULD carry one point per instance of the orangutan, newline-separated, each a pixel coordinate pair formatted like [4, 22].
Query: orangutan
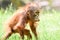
[17, 22]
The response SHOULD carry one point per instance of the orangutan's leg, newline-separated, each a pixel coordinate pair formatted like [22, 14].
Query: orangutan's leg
[27, 32]
[7, 33]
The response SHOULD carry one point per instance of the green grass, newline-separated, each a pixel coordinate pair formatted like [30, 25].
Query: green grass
[48, 27]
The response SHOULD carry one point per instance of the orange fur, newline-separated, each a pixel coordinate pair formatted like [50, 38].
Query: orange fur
[19, 19]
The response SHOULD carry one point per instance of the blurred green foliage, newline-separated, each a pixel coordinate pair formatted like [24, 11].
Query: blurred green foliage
[17, 3]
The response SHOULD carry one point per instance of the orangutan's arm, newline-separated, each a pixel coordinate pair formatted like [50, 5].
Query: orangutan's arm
[20, 24]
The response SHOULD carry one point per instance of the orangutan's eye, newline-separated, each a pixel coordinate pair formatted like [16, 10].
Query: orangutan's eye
[37, 12]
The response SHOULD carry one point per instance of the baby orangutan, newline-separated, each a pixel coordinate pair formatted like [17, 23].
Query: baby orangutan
[22, 16]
